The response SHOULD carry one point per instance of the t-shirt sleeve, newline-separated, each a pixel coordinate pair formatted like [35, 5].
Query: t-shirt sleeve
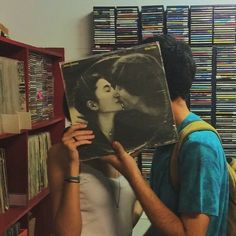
[200, 173]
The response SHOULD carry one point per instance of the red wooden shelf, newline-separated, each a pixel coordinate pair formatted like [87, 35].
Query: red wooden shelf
[51, 51]
[45, 123]
[37, 125]
[6, 135]
[16, 145]
[12, 215]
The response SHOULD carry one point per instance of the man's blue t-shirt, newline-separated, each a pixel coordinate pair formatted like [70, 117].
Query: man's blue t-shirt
[203, 176]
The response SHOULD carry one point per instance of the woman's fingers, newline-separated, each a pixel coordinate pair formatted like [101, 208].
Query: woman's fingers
[83, 134]
[78, 126]
[77, 135]
[78, 132]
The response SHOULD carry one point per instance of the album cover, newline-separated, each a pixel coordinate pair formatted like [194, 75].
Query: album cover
[122, 96]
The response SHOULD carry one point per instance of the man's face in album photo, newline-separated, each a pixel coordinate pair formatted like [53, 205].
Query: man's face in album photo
[128, 100]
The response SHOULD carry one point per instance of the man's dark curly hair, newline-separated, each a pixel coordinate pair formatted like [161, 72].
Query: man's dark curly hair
[179, 64]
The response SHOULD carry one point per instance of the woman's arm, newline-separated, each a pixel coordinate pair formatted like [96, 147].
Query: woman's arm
[63, 161]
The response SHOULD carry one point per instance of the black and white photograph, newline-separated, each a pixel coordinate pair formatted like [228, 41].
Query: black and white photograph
[122, 96]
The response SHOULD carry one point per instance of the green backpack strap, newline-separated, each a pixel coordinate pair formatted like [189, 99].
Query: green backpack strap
[232, 197]
[232, 179]
[198, 125]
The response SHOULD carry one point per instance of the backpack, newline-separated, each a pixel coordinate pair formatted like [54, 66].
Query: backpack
[231, 164]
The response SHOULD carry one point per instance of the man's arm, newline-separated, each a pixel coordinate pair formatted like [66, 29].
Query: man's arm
[162, 218]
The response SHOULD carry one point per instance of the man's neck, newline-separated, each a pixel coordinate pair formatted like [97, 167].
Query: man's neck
[180, 110]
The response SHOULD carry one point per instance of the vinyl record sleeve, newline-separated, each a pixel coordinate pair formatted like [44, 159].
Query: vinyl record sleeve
[122, 96]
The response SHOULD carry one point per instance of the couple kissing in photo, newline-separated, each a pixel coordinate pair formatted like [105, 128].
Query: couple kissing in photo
[124, 97]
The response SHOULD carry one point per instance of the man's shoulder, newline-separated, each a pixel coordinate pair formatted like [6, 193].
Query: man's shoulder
[203, 148]
[201, 136]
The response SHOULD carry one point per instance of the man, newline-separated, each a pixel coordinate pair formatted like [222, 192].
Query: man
[200, 206]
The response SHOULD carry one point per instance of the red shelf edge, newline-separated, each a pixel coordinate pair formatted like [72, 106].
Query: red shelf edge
[11, 216]
[46, 123]
[37, 125]
[50, 51]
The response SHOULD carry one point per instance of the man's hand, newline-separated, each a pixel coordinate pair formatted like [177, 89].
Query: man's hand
[122, 161]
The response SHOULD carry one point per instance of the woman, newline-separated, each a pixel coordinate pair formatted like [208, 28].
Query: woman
[103, 202]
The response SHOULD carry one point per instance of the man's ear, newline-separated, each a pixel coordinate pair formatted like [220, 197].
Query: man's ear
[92, 105]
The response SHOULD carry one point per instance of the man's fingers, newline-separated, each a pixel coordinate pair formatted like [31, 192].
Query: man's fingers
[118, 148]
[135, 153]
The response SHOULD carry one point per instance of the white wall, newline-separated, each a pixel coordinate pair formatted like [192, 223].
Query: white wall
[65, 23]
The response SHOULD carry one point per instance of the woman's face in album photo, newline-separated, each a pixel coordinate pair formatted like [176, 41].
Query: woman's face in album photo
[105, 93]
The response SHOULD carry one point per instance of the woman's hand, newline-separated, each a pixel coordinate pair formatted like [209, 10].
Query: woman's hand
[76, 136]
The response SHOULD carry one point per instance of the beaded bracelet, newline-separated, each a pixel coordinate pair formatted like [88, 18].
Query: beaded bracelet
[72, 179]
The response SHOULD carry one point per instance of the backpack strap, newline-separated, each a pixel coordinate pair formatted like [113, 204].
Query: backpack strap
[232, 179]
[198, 125]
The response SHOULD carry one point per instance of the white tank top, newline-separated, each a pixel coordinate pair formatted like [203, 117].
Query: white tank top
[106, 204]
[124, 201]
